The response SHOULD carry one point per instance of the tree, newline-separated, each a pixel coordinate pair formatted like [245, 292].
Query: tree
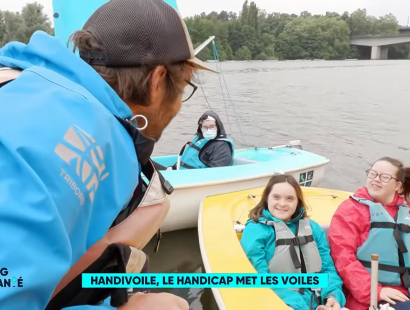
[244, 13]
[244, 53]
[21, 26]
[253, 16]
[250, 34]
[314, 38]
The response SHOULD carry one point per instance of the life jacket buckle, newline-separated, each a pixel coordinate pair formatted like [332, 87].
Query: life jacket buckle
[299, 240]
[295, 241]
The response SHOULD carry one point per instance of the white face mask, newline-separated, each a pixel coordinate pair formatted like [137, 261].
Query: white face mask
[210, 133]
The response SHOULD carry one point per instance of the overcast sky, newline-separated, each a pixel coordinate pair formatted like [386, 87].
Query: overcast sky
[400, 8]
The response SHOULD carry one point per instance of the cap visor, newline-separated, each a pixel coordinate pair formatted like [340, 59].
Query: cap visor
[200, 65]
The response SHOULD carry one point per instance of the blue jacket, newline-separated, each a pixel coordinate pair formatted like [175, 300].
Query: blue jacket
[258, 242]
[68, 167]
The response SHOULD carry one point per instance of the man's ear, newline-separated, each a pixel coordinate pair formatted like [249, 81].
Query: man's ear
[157, 85]
[158, 76]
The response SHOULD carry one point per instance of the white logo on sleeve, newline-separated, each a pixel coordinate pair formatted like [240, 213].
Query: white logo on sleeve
[81, 153]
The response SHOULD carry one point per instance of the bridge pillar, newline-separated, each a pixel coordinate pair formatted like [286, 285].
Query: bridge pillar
[379, 52]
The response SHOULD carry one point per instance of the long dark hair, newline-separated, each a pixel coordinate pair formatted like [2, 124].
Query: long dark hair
[256, 212]
[403, 175]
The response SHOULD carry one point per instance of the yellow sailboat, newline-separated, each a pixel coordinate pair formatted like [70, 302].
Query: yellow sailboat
[220, 220]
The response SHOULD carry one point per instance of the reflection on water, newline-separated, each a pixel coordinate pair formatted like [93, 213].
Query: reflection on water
[352, 112]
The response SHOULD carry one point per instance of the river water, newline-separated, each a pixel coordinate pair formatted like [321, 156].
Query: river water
[351, 112]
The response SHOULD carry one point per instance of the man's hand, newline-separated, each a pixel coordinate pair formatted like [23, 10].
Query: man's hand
[155, 301]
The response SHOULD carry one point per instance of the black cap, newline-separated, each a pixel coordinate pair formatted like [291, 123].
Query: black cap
[139, 32]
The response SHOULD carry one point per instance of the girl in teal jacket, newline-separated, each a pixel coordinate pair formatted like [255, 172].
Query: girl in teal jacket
[282, 210]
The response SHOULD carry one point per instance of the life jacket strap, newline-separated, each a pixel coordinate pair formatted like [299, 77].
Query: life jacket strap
[292, 242]
[396, 233]
[405, 279]
[316, 294]
[193, 146]
[397, 230]
[186, 165]
[298, 240]
[182, 152]
[182, 164]
[183, 149]
[402, 227]
[403, 271]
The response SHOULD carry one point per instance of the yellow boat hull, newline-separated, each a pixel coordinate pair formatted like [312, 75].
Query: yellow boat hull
[222, 253]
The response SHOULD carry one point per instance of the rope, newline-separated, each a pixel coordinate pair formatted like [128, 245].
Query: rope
[209, 106]
[216, 58]
[229, 96]
[206, 98]
[246, 207]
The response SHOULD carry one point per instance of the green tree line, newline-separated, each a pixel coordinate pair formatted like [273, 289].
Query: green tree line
[19, 26]
[252, 34]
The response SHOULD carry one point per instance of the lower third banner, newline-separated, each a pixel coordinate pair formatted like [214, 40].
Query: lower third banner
[206, 280]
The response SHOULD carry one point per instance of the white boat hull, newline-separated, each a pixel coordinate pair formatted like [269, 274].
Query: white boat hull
[185, 202]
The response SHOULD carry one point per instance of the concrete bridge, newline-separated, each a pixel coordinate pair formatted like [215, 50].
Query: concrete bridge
[380, 43]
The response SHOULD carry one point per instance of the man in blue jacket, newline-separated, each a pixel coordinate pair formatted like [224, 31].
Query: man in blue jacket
[75, 133]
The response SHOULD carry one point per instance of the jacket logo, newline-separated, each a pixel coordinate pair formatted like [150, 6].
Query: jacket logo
[80, 151]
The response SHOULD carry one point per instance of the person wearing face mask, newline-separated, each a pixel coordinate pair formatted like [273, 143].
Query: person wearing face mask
[278, 219]
[375, 220]
[209, 148]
